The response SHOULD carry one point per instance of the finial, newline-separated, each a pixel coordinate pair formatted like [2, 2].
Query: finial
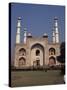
[45, 35]
[19, 18]
[55, 18]
[25, 29]
[29, 34]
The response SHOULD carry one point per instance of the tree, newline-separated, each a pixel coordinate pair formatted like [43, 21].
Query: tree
[61, 58]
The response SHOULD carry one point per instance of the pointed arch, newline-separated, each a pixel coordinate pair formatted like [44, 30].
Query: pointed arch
[37, 54]
[22, 62]
[52, 51]
[22, 51]
[52, 60]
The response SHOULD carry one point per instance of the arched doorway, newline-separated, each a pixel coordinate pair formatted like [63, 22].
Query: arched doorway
[52, 61]
[37, 55]
[22, 62]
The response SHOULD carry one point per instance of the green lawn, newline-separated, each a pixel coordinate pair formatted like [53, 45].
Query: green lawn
[31, 78]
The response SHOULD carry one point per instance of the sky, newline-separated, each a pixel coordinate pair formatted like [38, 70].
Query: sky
[38, 19]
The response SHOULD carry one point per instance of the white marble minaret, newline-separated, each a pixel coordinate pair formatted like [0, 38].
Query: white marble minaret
[18, 30]
[56, 31]
[53, 36]
[25, 35]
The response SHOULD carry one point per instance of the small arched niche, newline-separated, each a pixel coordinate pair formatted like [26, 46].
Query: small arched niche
[22, 52]
[52, 51]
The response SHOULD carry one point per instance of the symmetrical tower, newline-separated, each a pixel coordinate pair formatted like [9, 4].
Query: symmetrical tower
[18, 30]
[53, 35]
[25, 35]
[55, 31]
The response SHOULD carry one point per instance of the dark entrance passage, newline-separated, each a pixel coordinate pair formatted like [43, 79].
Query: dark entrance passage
[37, 62]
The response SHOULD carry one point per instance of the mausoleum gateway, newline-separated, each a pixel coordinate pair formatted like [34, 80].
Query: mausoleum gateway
[36, 51]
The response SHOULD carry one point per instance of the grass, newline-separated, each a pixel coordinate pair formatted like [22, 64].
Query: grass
[31, 78]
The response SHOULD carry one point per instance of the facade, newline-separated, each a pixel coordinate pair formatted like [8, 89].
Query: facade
[36, 51]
